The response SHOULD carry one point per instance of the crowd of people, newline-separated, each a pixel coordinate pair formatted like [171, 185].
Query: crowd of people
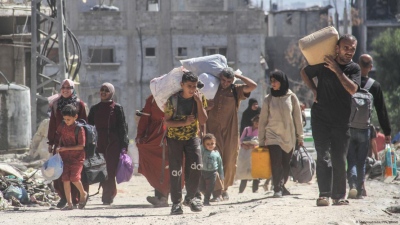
[193, 142]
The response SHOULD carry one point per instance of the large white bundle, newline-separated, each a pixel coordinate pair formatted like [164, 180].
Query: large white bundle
[212, 64]
[211, 84]
[318, 44]
[165, 86]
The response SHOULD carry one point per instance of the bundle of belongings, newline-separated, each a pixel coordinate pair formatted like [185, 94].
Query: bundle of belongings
[207, 68]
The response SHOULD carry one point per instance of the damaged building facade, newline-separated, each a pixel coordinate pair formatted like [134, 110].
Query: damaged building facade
[146, 39]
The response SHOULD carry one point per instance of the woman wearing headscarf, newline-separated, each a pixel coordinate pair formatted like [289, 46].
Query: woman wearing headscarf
[67, 96]
[280, 126]
[112, 130]
[252, 110]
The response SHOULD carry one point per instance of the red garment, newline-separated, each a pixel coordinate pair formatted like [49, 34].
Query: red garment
[380, 141]
[55, 121]
[151, 130]
[103, 116]
[73, 160]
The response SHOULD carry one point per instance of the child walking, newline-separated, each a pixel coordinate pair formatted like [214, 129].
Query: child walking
[73, 154]
[212, 167]
[249, 140]
[184, 112]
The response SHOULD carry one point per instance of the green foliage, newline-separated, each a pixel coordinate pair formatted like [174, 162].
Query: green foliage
[387, 62]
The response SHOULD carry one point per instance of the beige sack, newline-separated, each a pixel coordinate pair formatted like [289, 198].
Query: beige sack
[318, 44]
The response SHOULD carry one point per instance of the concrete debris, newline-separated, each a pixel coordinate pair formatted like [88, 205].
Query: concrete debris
[24, 189]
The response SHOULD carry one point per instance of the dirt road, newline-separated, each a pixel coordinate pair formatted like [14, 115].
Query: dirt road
[130, 207]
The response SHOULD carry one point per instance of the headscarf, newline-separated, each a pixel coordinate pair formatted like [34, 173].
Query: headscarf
[282, 78]
[61, 101]
[248, 114]
[110, 88]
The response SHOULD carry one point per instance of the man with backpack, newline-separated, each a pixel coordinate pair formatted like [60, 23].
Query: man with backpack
[360, 133]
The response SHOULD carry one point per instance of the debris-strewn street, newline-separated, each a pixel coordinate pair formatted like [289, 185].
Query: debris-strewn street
[130, 207]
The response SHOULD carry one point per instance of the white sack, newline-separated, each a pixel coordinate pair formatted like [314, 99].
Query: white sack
[211, 84]
[165, 86]
[212, 64]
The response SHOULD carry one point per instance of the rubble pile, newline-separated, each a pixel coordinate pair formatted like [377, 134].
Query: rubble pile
[20, 189]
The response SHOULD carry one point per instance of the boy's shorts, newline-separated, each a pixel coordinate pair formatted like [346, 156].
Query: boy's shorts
[73, 165]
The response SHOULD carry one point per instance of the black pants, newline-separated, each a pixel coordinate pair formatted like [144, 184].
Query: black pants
[280, 166]
[331, 144]
[207, 183]
[243, 184]
[193, 165]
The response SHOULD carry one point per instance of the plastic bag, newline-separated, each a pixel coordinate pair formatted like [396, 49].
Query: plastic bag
[16, 192]
[125, 168]
[212, 64]
[243, 169]
[211, 84]
[52, 168]
[166, 85]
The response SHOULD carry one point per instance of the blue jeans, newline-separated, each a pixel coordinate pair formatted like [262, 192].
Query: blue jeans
[356, 156]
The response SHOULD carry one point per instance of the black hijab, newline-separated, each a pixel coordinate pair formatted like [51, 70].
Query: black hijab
[248, 114]
[282, 78]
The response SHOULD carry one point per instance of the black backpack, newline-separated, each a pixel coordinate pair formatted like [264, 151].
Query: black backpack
[90, 134]
[361, 107]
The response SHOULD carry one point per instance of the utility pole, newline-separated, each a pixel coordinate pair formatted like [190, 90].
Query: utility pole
[38, 79]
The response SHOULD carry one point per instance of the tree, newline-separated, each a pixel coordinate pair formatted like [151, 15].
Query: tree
[386, 56]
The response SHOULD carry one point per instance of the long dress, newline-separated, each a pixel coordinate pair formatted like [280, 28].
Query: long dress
[151, 129]
[109, 119]
[223, 123]
[54, 138]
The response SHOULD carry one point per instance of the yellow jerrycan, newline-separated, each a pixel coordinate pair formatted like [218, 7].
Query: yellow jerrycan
[261, 163]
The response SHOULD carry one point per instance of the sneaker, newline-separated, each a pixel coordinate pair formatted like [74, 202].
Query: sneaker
[277, 194]
[62, 203]
[176, 209]
[157, 202]
[195, 205]
[285, 191]
[352, 193]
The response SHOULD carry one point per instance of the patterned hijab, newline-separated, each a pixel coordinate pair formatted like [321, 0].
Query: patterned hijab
[282, 78]
[70, 100]
[110, 88]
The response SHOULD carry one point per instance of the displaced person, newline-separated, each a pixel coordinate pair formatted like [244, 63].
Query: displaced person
[250, 133]
[112, 130]
[67, 96]
[249, 113]
[338, 79]
[223, 120]
[280, 127]
[149, 140]
[72, 153]
[184, 112]
[212, 167]
[360, 138]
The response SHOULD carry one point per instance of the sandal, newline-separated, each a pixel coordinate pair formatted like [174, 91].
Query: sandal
[83, 204]
[340, 202]
[323, 201]
[67, 208]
